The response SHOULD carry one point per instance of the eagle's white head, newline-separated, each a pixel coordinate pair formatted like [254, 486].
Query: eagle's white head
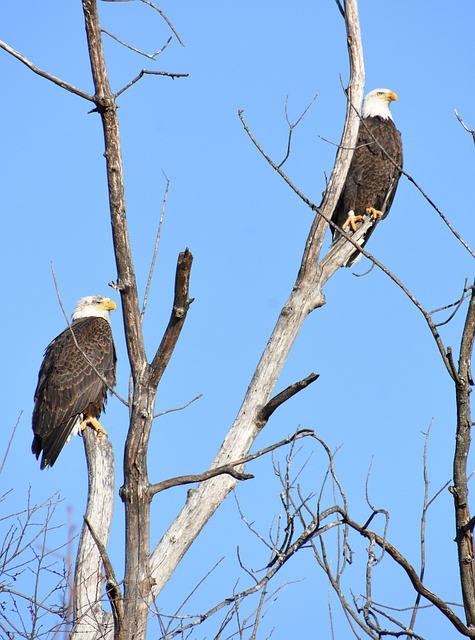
[94, 306]
[376, 103]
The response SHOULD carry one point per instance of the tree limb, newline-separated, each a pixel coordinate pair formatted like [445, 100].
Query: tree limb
[45, 74]
[181, 304]
[266, 412]
[145, 72]
[411, 573]
[467, 129]
[226, 468]
[306, 296]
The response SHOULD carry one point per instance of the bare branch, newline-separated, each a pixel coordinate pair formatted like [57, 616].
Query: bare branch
[266, 412]
[274, 165]
[112, 586]
[340, 8]
[294, 125]
[7, 450]
[184, 406]
[442, 216]
[150, 56]
[155, 250]
[200, 477]
[457, 305]
[25, 551]
[228, 468]
[471, 131]
[419, 587]
[172, 28]
[146, 72]
[181, 304]
[423, 525]
[45, 74]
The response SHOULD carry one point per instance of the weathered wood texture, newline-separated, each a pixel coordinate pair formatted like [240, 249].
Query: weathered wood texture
[91, 621]
[304, 298]
[464, 524]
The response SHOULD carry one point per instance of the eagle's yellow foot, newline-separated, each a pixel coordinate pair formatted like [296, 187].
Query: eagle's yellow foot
[351, 221]
[374, 213]
[96, 425]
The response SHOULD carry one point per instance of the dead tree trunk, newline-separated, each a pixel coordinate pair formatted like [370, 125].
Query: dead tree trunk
[306, 296]
[463, 522]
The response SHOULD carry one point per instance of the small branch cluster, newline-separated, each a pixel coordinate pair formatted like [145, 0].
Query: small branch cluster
[26, 558]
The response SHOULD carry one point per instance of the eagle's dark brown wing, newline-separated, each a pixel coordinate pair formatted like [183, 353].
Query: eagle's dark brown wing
[68, 386]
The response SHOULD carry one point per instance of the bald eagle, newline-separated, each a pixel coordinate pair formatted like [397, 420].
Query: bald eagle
[70, 394]
[374, 171]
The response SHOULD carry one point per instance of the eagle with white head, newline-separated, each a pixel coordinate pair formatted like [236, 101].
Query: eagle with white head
[375, 169]
[77, 371]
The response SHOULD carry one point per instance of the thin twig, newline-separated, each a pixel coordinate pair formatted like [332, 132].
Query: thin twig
[276, 167]
[7, 450]
[294, 125]
[471, 131]
[466, 293]
[423, 525]
[340, 8]
[187, 404]
[198, 585]
[150, 56]
[145, 72]
[155, 249]
[411, 573]
[112, 585]
[172, 28]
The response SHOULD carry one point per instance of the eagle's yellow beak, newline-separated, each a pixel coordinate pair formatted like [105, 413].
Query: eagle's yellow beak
[109, 305]
[392, 96]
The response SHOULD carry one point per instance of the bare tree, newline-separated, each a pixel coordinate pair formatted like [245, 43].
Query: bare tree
[300, 527]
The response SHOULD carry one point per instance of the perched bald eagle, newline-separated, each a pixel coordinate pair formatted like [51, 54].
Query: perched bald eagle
[70, 394]
[374, 171]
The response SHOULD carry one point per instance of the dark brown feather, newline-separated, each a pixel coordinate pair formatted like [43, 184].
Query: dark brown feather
[373, 177]
[68, 388]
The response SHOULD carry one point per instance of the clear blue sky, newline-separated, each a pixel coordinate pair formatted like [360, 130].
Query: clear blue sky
[381, 378]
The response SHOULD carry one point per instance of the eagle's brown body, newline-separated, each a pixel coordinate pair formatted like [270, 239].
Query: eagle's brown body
[373, 175]
[69, 390]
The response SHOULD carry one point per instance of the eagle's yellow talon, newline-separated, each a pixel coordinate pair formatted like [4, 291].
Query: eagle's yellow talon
[374, 213]
[351, 221]
[96, 425]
